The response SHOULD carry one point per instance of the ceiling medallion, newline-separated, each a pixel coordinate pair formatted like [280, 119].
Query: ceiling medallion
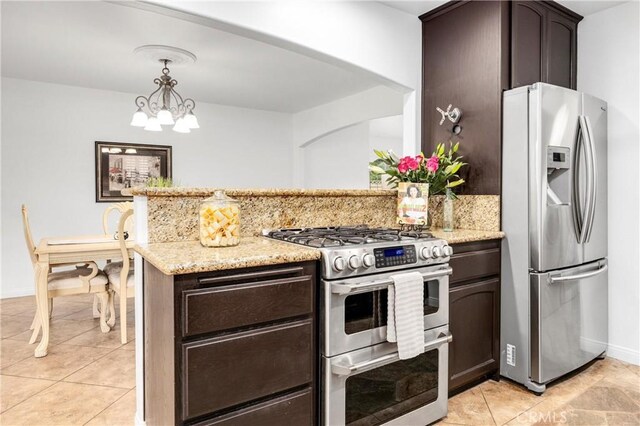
[165, 106]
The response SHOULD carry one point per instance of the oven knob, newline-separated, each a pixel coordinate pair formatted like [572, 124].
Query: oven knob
[338, 264]
[368, 260]
[354, 262]
[448, 251]
[437, 252]
[426, 253]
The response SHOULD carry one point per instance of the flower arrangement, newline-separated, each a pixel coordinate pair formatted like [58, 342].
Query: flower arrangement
[440, 170]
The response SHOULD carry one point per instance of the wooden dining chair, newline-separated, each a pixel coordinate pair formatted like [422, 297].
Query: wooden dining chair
[121, 280]
[85, 278]
[120, 208]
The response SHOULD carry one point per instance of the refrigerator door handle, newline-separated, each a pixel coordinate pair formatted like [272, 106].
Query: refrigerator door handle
[593, 176]
[578, 214]
[558, 279]
[583, 218]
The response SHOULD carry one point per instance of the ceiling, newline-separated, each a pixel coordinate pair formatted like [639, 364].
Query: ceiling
[582, 7]
[90, 44]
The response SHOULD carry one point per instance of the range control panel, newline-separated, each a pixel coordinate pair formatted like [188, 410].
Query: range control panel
[394, 256]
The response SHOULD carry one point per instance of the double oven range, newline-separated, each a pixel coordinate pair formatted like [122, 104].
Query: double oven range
[363, 381]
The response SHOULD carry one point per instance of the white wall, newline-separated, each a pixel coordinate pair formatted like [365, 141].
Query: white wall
[385, 134]
[339, 159]
[48, 134]
[608, 67]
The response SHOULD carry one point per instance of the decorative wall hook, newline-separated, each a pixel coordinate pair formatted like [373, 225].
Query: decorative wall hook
[453, 115]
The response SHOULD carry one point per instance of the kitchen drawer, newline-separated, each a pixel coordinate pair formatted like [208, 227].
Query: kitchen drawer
[475, 260]
[225, 371]
[226, 307]
[291, 409]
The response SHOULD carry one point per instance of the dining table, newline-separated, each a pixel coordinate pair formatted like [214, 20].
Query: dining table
[66, 250]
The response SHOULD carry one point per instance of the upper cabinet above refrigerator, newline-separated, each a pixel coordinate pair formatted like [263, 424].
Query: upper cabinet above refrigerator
[544, 43]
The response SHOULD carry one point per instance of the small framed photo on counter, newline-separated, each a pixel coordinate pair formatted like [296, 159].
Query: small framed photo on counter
[413, 203]
[122, 165]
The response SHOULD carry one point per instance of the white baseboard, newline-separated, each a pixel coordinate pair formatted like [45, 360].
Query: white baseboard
[623, 354]
[16, 292]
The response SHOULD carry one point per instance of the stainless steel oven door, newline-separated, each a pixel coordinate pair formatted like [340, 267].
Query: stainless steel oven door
[372, 386]
[354, 311]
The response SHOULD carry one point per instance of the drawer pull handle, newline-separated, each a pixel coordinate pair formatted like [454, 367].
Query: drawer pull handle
[251, 275]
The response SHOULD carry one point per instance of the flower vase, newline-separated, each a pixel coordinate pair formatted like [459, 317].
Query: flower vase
[447, 211]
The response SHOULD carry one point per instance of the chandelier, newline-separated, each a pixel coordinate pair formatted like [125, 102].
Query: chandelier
[165, 106]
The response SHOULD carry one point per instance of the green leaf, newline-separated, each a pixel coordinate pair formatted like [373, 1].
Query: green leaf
[456, 146]
[455, 183]
[377, 170]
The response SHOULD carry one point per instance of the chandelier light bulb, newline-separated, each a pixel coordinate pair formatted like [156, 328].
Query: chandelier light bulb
[191, 121]
[139, 118]
[181, 126]
[153, 125]
[164, 117]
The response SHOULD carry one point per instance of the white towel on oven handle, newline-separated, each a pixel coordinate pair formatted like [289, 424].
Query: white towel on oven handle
[405, 314]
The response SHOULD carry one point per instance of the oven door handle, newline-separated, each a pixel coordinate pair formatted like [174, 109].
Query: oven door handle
[360, 367]
[342, 288]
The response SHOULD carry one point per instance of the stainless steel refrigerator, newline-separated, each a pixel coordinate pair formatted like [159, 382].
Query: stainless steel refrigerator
[554, 315]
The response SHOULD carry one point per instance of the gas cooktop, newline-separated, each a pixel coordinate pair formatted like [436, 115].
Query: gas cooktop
[349, 251]
[339, 236]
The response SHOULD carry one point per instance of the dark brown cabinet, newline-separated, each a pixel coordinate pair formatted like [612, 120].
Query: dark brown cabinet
[543, 44]
[231, 347]
[474, 313]
[474, 50]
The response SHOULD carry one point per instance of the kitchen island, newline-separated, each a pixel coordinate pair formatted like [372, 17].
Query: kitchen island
[196, 304]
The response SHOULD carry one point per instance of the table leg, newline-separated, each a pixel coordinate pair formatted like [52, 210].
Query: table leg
[42, 273]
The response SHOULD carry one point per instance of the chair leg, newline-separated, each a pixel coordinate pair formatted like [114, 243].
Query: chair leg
[36, 329]
[104, 299]
[96, 309]
[112, 309]
[123, 316]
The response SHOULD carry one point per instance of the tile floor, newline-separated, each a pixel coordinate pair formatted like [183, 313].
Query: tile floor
[88, 378]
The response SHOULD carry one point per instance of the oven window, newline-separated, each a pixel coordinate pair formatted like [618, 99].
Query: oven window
[366, 311]
[378, 396]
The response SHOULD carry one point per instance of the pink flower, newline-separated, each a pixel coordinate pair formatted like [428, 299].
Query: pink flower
[413, 164]
[419, 158]
[432, 164]
[402, 167]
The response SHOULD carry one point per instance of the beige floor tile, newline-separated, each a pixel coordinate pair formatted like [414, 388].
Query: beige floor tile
[131, 345]
[623, 419]
[116, 369]
[506, 400]
[61, 330]
[96, 338]
[18, 306]
[63, 308]
[61, 361]
[14, 390]
[605, 398]
[13, 351]
[11, 326]
[62, 404]
[469, 408]
[574, 418]
[120, 413]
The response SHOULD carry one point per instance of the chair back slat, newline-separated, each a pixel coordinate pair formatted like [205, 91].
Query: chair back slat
[121, 208]
[27, 235]
[123, 244]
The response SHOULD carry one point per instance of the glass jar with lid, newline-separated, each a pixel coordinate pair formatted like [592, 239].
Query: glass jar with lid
[219, 221]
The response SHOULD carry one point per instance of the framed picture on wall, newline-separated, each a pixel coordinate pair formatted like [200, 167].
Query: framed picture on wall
[125, 165]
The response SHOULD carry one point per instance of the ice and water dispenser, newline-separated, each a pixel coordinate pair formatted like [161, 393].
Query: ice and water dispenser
[558, 175]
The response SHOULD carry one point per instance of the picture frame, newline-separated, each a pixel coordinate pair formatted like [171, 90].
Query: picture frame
[127, 165]
[413, 203]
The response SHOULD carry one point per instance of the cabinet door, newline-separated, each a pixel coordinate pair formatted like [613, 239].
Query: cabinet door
[475, 325]
[561, 47]
[527, 43]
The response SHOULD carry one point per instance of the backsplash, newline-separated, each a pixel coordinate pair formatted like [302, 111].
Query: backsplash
[173, 212]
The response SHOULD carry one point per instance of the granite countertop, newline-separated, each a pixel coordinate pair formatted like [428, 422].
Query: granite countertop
[186, 257]
[199, 192]
[466, 235]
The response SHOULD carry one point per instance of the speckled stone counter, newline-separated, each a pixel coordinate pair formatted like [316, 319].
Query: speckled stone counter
[185, 257]
[172, 213]
[458, 236]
